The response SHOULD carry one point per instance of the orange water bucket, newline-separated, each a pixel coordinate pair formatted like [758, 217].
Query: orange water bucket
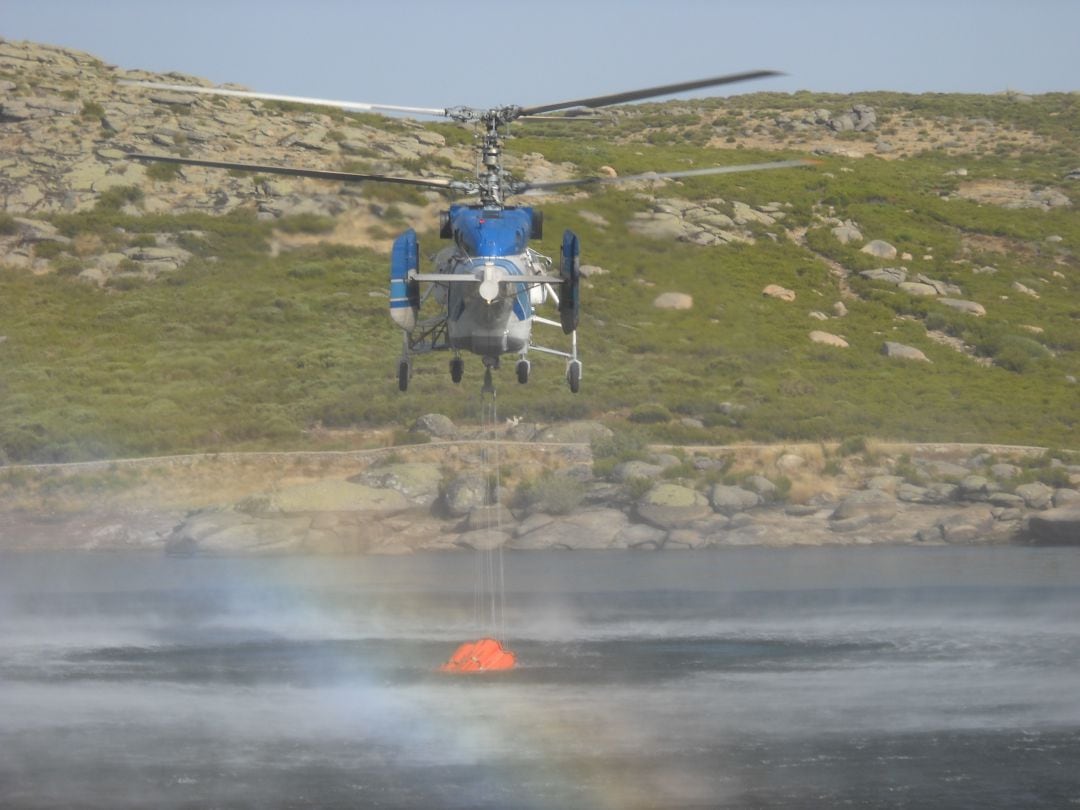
[485, 655]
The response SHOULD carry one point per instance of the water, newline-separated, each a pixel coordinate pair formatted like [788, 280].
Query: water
[896, 677]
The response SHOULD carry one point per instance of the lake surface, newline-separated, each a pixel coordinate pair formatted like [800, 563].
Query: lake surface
[878, 677]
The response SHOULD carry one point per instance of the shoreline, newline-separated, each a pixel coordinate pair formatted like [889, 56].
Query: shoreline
[429, 497]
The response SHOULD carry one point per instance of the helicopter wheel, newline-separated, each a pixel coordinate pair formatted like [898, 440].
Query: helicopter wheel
[522, 371]
[573, 375]
[403, 375]
[457, 368]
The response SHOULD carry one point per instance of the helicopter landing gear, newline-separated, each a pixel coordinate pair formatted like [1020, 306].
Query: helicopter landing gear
[404, 372]
[457, 368]
[522, 369]
[573, 375]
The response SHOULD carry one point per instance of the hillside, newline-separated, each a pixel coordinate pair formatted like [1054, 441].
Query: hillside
[923, 280]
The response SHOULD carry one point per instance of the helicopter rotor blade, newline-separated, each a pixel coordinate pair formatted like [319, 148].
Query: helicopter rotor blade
[648, 92]
[595, 181]
[354, 106]
[348, 177]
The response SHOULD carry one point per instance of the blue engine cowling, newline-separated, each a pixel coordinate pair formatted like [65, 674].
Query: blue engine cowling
[404, 294]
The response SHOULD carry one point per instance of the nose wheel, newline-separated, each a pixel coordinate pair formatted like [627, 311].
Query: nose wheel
[522, 368]
[573, 375]
[404, 371]
[457, 368]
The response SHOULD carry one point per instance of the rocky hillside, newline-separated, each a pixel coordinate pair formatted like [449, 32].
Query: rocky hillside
[922, 282]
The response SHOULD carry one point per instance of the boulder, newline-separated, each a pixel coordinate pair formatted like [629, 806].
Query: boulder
[968, 307]
[727, 500]
[671, 506]
[899, 350]
[976, 488]
[1062, 497]
[464, 493]
[778, 292]
[1004, 472]
[874, 504]
[890, 275]
[1036, 495]
[592, 529]
[418, 482]
[879, 248]
[847, 232]
[628, 470]
[436, 425]
[1060, 526]
[968, 526]
[673, 300]
[828, 339]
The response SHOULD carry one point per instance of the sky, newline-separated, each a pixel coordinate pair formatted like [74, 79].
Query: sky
[435, 53]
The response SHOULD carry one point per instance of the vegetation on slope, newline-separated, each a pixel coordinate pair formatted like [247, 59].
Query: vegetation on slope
[244, 349]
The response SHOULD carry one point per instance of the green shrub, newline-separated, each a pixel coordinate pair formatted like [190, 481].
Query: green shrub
[116, 198]
[305, 223]
[164, 172]
[8, 225]
[650, 413]
[852, 445]
[551, 494]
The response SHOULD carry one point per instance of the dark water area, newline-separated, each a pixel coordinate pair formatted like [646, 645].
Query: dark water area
[878, 677]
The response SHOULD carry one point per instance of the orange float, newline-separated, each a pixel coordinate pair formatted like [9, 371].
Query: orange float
[485, 655]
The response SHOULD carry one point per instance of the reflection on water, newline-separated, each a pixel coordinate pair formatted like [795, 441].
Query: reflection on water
[874, 677]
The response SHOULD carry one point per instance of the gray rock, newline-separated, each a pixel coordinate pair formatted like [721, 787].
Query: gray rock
[1004, 472]
[466, 492]
[976, 488]
[874, 504]
[1060, 526]
[879, 248]
[1036, 495]
[671, 506]
[1062, 497]
[1006, 500]
[850, 524]
[636, 469]
[968, 526]
[673, 300]
[762, 486]
[891, 349]
[918, 288]
[588, 530]
[847, 232]
[437, 425]
[968, 307]
[640, 535]
[418, 482]
[890, 275]
[727, 500]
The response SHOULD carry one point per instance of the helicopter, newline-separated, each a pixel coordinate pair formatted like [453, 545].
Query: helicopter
[488, 283]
